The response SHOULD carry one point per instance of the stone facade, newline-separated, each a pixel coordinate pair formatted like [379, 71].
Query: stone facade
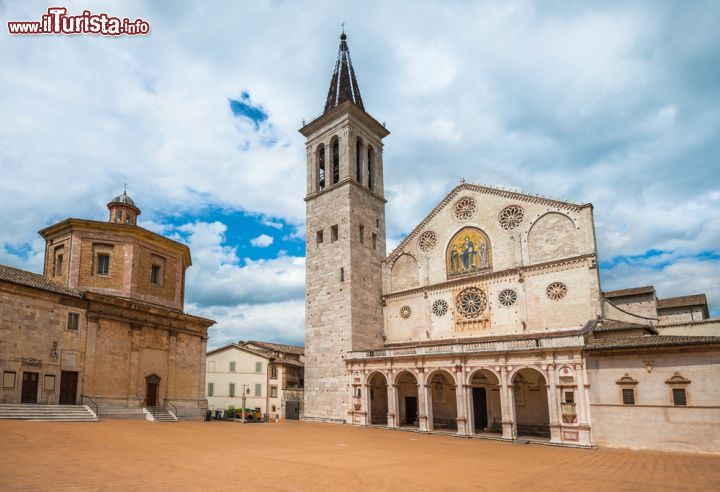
[107, 333]
[494, 323]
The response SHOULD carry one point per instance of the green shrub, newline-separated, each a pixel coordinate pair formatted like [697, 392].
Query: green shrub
[230, 412]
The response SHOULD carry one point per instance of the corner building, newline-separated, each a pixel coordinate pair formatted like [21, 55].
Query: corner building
[488, 319]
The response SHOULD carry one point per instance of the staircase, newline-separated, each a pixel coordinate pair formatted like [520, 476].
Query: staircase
[57, 413]
[160, 414]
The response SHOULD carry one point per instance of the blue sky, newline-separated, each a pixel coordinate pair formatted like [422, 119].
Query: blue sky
[614, 103]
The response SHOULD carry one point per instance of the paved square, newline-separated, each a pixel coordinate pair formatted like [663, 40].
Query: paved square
[308, 456]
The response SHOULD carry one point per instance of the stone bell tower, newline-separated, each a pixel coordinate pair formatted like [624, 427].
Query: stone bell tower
[345, 243]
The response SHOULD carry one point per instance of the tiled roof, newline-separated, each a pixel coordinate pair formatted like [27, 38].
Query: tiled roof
[277, 347]
[616, 325]
[29, 279]
[649, 341]
[648, 289]
[682, 301]
[288, 362]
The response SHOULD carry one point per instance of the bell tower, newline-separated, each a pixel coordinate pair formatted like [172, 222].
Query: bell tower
[345, 245]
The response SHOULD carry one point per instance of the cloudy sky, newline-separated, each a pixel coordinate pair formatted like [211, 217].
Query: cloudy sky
[614, 103]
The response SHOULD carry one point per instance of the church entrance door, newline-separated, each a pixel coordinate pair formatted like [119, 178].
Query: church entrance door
[410, 410]
[151, 398]
[29, 387]
[479, 408]
[68, 387]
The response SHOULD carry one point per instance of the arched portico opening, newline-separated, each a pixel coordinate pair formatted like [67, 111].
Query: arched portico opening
[443, 397]
[485, 406]
[378, 399]
[531, 403]
[407, 388]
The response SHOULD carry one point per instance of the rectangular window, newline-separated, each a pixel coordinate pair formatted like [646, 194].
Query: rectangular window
[273, 391]
[155, 274]
[232, 390]
[258, 367]
[258, 390]
[49, 382]
[569, 397]
[362, 234]
[342, 274]
[73, 321]
[319, 237]
[103, 264]
[333, 234]
[58, 265]
[273, 408]
[211, 389]
[679, 397]
[374, 239]
[232, 366]
[628, 395]
[273, 372]
[8, 381]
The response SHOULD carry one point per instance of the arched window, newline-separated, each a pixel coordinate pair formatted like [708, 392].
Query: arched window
[358, 160]
[321, 167]
[335, 160]
[370, 168]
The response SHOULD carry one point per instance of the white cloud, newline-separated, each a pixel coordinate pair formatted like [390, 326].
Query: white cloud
[262, 241]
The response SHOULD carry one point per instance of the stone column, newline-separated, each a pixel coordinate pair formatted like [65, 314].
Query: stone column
[136, 388]
[172, 343]
[507, 405]
[462, 414]
[365, 413]
[424, 408]
[393, 406]
[469, 410]
[584, 434]
[552, 397]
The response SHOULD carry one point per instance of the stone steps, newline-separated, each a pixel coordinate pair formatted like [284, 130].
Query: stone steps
[161, 414]
[64, 413]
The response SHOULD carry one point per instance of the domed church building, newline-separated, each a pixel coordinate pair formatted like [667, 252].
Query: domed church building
[103, 326]
[489, 319]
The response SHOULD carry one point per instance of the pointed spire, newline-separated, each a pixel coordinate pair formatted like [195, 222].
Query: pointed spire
[343, 86]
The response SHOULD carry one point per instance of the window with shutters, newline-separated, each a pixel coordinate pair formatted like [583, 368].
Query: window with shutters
[232, 366]
[211, 389]
[258, 390]
[231, 390]
[73, 321]
[258, 367]
[628, 396]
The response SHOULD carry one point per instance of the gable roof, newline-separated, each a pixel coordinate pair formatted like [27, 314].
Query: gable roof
[649, 341]
[633, 291]
[487, 190]
[277, 347]
[35, 281]
[612, 325]
[239, 347]
[682, 301]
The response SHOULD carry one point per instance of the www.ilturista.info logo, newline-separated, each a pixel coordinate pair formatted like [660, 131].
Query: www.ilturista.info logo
[56, 21]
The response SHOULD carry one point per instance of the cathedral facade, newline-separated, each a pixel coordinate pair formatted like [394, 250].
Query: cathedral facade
[488, 319]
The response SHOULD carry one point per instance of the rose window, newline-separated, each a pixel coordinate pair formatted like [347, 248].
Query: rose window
[427, 241]
[507, 297]
[405, 312]
[440, 307]
[465, 208]
[471, 302]
[511, 217]
[556, 291]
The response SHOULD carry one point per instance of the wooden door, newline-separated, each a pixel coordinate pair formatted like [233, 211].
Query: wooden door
[480, 408]
[410, 410]
[29, 387]
[292, 410]
[151, 398]
[68, 387]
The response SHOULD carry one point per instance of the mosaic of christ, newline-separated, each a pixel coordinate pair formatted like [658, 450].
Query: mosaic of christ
[468, 252]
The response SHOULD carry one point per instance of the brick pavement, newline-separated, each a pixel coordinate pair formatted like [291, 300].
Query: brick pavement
[131, 455]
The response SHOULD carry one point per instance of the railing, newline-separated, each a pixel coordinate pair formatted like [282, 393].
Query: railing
[174, 408]
[92, 404]
[466, 348]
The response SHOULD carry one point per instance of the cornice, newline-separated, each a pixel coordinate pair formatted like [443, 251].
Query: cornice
[481, 277]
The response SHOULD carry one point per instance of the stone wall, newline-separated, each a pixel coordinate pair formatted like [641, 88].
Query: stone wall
[654, 422]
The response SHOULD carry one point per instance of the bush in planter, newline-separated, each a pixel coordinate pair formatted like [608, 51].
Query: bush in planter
[230, 412]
